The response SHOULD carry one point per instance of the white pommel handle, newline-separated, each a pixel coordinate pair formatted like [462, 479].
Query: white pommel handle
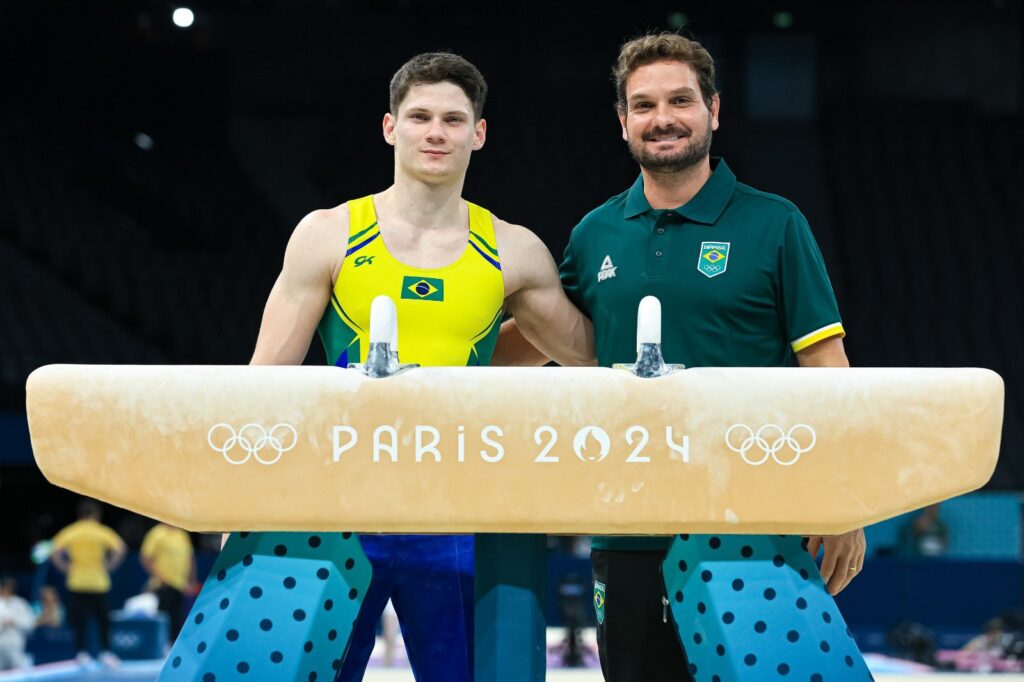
[648, 322]
[384, 322]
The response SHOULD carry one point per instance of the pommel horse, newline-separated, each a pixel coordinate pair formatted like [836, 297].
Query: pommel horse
[317, 453]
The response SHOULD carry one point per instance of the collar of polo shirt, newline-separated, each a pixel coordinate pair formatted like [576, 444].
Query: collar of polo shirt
[704, 207]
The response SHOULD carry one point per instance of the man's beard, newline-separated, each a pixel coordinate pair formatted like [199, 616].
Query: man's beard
[696, 151]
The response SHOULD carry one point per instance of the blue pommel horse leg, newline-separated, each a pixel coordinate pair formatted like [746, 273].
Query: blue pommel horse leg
[276, 606]
[511, 637]
[752, 607]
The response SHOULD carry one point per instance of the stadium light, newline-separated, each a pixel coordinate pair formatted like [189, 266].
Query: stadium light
[143, 141]
[677, 20]
[183, 17]
[782, 19]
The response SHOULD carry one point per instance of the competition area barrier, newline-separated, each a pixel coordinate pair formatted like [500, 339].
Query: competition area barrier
[532, 450]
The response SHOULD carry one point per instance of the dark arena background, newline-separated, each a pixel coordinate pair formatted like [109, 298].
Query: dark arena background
[151, 174]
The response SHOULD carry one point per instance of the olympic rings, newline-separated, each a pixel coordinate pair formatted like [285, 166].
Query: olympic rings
[760, 439]
[252, 438]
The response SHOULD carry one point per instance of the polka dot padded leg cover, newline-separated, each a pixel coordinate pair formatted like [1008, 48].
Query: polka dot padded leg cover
[754, 607]
[276, 606]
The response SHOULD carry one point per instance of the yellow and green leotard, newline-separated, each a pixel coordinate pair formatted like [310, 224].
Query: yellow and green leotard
[447, 316]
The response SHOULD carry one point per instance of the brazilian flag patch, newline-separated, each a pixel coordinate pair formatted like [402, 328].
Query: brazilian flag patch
[599, 601]
[423, 288]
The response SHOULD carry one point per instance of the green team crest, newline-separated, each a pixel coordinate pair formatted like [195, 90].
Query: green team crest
[599, 601]
[714, 258]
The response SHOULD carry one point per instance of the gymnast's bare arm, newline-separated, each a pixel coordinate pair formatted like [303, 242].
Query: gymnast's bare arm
[844, 554]
[312, 261]
[513, 350]
[300, 294]
[534, 297]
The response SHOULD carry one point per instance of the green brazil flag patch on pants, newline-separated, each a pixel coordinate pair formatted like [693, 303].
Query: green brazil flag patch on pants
[599, 601]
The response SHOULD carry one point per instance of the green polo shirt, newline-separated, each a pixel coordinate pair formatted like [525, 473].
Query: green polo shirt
[740, 279]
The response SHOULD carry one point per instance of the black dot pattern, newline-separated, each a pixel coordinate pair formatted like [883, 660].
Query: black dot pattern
[251, 621]
[755, 607]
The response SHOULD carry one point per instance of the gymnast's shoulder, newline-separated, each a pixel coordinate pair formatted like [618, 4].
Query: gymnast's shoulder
[321, 236]
[516, 241]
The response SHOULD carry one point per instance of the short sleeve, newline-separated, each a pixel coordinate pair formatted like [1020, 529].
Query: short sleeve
[149, 543]
[112, 539]
[60, 541]
[568, 271]
[809, 304]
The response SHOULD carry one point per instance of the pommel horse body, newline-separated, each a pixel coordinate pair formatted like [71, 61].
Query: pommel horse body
[314, 451]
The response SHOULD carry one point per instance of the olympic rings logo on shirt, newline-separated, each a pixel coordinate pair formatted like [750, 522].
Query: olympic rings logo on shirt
[770, 439]
[252, 439]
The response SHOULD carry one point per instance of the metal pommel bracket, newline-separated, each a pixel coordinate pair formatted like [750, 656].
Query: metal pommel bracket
[649, 362]
[382, 354]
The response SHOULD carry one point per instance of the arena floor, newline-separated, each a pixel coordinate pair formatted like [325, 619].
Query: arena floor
[147, 672]
[884, 669]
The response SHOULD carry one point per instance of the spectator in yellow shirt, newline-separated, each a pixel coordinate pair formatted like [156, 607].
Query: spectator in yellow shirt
[169, 560]
[87, 551]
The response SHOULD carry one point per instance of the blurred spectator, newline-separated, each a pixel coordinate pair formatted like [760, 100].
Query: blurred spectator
[926, 534]
[49, 610]
[573, 600]
[87, 551]
[169, 560]
[993, 640]
[912, 641]
[16, 622]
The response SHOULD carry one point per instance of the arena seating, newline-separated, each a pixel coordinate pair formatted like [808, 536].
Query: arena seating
[114, 254]
[928, 212]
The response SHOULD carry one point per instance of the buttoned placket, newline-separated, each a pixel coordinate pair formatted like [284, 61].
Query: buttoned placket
[657, 258]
